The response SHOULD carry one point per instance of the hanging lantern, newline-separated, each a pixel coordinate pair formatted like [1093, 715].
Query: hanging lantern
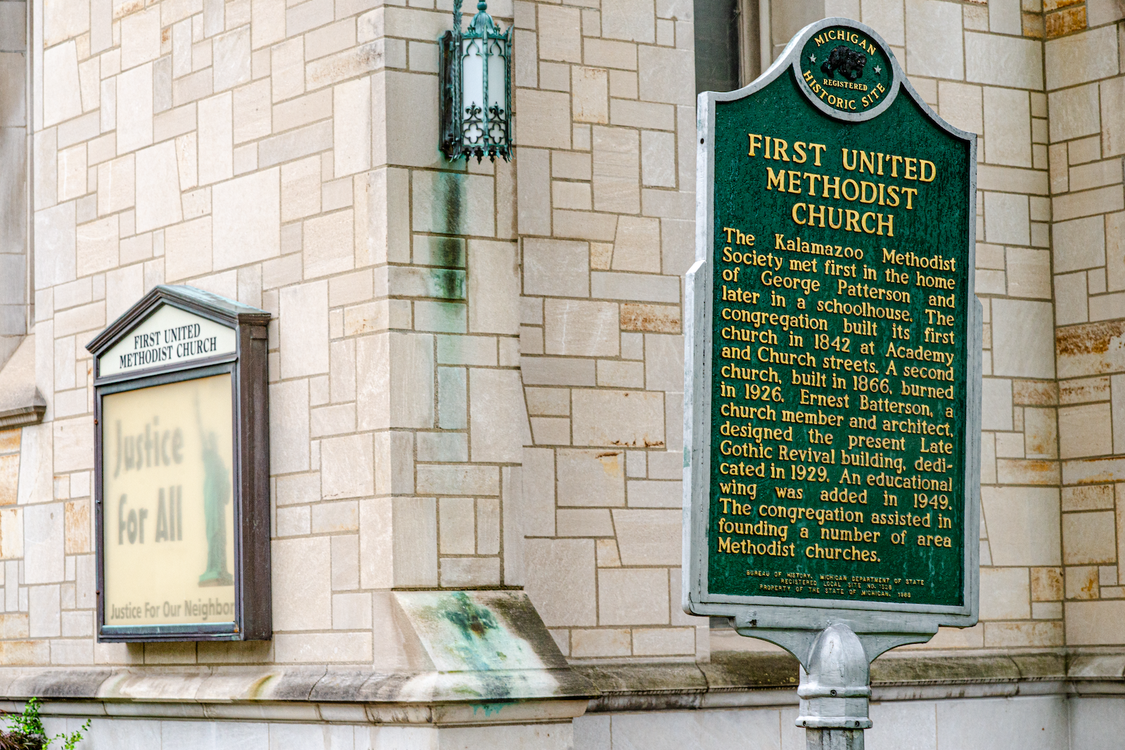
[476, 88]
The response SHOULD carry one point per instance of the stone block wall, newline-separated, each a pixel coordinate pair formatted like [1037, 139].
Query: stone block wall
[1085, 80]
[476, 369]
[13, 177]
[606, 194]
[283, 155]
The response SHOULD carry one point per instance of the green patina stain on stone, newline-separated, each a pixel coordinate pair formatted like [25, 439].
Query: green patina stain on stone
[439, 251]
[446, 281]
[470, 633]
[447, 252]
[446, 284]
[489, 708]
[477, 647]
[451, 197]
[472, 620]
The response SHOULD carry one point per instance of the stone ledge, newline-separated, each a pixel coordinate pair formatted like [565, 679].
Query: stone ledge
[302, 694]
[550, 693]
[271, 684]
[459, 657]
[739, 679]
[490, 712]
[21, 404]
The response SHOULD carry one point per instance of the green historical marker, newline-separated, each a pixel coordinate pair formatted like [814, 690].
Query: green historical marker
[832, 413]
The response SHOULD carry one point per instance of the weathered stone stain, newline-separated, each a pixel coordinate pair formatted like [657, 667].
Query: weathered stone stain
[1100, 478]
[10, 441]
[1035, 393]
[258, 687]
[1092, 338]
[650, 318]
[476, 624]
[125, 9]
[1033, 25]
[1027, 471]
[1049, 5]
[9, 479]
[449, 252]
[1084, 391]
[77, 525]
[1066, 22]
[346, 64]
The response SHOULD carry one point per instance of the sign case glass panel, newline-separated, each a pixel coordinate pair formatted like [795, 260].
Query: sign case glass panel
[168, 527]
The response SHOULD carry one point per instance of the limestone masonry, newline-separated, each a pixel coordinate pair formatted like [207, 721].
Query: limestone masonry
[476, 369]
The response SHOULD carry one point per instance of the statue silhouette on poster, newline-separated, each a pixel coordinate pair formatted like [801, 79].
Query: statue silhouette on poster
[216, 494]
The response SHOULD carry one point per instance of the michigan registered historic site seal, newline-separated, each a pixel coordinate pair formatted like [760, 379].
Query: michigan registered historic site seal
[847, 73]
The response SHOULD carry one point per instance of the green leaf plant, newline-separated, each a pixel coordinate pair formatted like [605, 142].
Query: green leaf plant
[26, 732]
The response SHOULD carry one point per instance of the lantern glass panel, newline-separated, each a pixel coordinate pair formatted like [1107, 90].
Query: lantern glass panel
[496, 85]
[472, 81]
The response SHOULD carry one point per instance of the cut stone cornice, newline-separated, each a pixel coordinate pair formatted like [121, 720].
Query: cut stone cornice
[21, 404]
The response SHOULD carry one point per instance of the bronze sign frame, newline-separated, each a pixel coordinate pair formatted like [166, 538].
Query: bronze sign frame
[247, 367]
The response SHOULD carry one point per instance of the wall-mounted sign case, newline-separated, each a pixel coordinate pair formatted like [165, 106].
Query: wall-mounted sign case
[182, 470]
[833, 350]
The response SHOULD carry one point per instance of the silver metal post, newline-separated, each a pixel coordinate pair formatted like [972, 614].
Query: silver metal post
[834, 739]
[834, 691]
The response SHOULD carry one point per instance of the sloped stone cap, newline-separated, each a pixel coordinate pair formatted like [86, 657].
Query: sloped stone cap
[21, 403]
[478, 656]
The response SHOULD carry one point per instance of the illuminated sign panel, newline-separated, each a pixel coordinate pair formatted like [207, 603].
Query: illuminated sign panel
[161, 445]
